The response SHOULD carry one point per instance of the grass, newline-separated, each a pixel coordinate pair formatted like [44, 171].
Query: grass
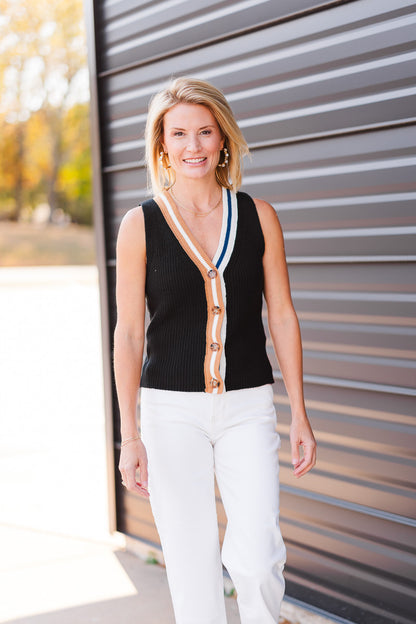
[26, 244]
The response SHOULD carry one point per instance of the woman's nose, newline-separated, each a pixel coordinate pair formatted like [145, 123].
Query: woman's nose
[193, 143]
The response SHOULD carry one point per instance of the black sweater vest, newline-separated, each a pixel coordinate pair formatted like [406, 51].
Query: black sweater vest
[205, 331]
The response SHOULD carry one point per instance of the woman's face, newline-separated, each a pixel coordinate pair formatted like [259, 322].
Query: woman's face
[193, 140]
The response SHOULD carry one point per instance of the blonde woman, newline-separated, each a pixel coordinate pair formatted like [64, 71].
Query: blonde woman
[202, 254]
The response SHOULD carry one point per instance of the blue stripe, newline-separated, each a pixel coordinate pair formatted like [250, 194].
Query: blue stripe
[227, 234]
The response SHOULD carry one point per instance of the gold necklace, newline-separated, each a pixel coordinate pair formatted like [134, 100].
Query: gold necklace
[196, 214]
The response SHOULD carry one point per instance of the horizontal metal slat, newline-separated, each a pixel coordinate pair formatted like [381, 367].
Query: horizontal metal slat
[286, 64]
[280, 37]
[362, 82]
[168, 27]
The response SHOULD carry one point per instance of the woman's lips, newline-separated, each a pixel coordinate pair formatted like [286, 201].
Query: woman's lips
[194, 161]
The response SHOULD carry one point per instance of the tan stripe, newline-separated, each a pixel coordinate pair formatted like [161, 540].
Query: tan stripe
[209, 339]
[208, 293]
[181, 239]
[209, 296]
[188, 231]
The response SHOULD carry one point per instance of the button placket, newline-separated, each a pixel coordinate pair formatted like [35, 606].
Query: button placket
[215, 347]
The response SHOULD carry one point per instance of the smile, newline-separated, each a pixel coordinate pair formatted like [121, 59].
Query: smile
[194, 160]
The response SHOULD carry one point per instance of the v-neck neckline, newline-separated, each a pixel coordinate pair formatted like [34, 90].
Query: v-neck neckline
[226, 216]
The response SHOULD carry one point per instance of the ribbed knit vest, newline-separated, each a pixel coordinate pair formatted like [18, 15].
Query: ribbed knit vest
[205, 331]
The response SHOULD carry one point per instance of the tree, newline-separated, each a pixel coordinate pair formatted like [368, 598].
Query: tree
[42, 68]
[74, 179]
[11, 166]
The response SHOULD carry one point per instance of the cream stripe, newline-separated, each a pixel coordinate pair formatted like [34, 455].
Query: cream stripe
[233, 232]
[223, 226]
[214, 290]
[212, 371]
[216, 355]
[223, 331]
[184, 234]
[224, 263]
[214, 328]
[212, 364]
[209, 293]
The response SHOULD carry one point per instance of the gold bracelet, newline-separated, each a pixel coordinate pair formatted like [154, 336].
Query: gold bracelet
[124, 442]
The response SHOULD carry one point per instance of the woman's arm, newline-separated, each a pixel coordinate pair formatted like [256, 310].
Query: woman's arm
[285, 333]
[128, 344]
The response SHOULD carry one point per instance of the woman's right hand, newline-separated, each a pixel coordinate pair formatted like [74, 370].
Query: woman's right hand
[133, 457]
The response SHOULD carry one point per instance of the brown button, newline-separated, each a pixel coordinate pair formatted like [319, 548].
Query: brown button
[215, 383]
[216, 310]
[212, 273]
[215, 346]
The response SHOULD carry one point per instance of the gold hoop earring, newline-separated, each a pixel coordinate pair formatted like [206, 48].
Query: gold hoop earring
[162, 157]
[225, 161]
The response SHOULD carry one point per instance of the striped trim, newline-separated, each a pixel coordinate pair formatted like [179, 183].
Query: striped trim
[225, 229]
[215, 291]
[229, 231]
[222, 257]
[213, 382]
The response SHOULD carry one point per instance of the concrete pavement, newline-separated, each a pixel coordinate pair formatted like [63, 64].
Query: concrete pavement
[52, 579]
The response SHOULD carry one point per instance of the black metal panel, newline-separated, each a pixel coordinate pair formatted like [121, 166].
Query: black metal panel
[135, 33]
[300, 80]
[353, 526]
[325, 95]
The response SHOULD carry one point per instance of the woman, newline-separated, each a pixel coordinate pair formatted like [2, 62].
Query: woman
[203, 255]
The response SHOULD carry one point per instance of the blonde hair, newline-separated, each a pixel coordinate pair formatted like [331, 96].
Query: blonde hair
[193, 91]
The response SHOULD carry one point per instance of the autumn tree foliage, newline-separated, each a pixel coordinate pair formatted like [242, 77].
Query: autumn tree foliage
[44, 112]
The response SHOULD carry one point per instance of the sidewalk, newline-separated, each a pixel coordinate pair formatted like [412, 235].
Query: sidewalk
[48, 579]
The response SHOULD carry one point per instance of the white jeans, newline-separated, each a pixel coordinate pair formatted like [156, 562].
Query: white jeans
[189, 436]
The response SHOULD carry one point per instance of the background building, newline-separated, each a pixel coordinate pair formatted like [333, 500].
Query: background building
[324, 93]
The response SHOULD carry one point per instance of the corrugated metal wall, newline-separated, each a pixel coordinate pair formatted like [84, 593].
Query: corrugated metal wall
[325, 95]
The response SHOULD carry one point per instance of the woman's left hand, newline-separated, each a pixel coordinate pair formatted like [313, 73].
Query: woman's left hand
[301, 436]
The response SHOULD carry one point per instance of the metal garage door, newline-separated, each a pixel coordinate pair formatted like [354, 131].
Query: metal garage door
[325, 95]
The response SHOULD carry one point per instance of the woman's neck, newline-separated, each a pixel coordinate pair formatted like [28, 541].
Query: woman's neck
[198, 193]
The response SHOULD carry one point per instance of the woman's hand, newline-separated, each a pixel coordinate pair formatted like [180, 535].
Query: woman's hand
[301, 436]
[285, 333]
[128, 343]
[133, 457]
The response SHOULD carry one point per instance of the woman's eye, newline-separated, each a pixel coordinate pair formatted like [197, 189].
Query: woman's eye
[206, 132]
[178, 133]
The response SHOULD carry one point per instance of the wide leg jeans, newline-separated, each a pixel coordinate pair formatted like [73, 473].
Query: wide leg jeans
[189, 437]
